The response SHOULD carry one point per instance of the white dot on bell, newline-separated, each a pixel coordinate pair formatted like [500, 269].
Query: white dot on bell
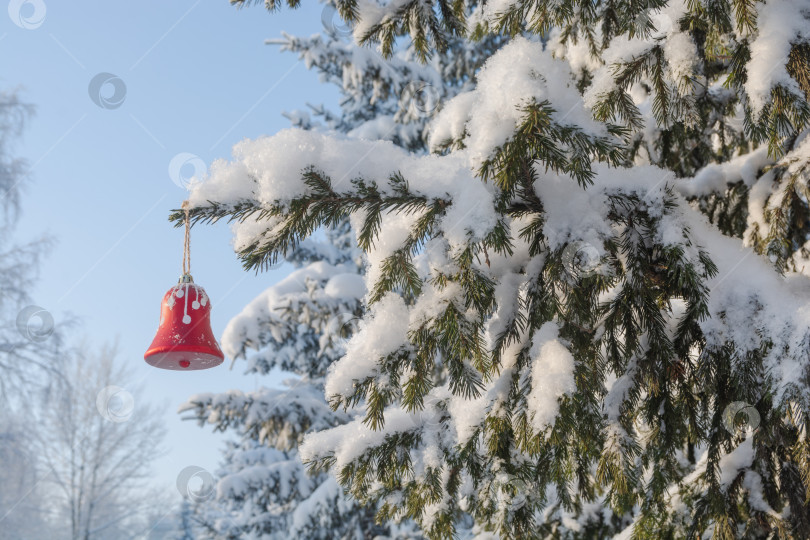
[186, 319]
[179, 293]
[195, 305]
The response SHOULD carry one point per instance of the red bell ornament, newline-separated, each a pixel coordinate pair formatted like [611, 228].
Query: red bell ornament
[184, 340]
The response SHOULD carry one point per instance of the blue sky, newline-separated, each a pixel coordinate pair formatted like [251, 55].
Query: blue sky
[198, 79]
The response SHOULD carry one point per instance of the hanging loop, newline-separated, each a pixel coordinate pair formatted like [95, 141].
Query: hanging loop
[186, 276]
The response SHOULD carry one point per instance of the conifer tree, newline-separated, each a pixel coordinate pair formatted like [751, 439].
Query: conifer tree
[587, 310]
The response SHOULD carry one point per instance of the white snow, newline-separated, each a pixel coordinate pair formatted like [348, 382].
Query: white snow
[778, 25]
[715, 177]
[519, 73]
[679, 50]
[552, 376]
[347, 285]
[382, 332]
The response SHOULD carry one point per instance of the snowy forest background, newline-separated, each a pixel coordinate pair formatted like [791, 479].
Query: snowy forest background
[545, 277]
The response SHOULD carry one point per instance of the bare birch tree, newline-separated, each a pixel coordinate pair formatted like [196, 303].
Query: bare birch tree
[97, 438]
[29, 343]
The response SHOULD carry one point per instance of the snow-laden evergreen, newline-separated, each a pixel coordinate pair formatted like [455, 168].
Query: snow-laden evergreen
[586, 313]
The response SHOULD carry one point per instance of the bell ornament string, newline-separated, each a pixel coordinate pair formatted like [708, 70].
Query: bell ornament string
[187, 244]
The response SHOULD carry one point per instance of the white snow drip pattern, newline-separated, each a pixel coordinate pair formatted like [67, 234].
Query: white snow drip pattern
[181, 290]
